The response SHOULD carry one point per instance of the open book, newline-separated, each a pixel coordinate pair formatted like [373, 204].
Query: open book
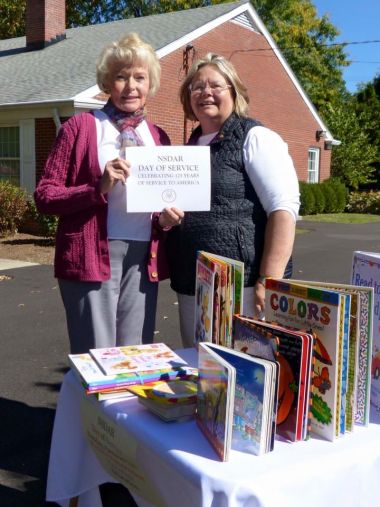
[237, 398]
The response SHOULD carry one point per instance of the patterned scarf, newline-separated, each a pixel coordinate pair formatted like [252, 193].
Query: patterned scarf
[126, 124]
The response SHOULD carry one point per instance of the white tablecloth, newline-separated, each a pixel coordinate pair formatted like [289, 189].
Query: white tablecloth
[181, 468]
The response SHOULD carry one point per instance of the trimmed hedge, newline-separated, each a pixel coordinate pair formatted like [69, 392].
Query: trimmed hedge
[327, 197]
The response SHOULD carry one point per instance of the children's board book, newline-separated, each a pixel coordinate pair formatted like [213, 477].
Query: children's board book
[169, 413]
[121, 394]
[237, 280]
[89, 374]
[293, 351]
[219, 289]
[172, 392]
[156, 357]
[207, 311]
[172, 401]
[317, 311]
[359, 350]
[342, 363]
[366, 273]
[236, 400]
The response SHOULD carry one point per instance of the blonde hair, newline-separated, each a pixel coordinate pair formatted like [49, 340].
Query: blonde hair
[129, 50]
[228, 71]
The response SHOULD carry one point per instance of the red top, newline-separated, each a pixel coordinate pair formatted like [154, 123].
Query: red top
[69, 188]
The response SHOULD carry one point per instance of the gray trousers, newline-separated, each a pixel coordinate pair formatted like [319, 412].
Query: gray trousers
[120, 311]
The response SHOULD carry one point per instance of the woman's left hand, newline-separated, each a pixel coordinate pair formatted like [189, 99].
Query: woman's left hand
[169, 217]
[259, 300]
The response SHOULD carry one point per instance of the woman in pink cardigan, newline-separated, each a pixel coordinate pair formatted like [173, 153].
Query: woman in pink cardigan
[107, 261]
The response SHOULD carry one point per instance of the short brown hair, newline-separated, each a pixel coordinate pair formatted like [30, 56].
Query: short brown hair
[228, 71]
[129, 49]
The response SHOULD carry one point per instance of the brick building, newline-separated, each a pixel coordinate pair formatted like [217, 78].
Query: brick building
[49, 75]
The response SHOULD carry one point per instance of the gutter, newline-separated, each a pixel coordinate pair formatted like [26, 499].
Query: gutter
[57, 120]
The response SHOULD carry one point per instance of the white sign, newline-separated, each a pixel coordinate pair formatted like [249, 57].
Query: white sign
[168, 176]
[117, 451]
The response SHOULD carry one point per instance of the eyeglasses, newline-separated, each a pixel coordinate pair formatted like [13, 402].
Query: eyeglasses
[215, 88]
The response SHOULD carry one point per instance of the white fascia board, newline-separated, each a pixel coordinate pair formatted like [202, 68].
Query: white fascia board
[189, 37]
[83, 99]
[37, 103]
[86, 100]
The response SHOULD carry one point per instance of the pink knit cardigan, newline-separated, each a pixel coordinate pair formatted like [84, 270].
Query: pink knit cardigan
[69, 188]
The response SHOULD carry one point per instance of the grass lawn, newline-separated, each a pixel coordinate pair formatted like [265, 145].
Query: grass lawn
[342, 218]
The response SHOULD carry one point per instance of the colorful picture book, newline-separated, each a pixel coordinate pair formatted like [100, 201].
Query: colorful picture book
[294, 352]
[88, 372]
[321, 312]
[218, 295]
[137, 359]
[359, 350]
[366, 273]
[236, 404]
[94, 380]
[207, 285]
[174, 400]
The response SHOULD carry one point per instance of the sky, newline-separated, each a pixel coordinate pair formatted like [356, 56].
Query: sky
[357, 21]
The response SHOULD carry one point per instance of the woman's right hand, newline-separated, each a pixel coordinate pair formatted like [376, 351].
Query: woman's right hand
[115, 170]
[170, 217]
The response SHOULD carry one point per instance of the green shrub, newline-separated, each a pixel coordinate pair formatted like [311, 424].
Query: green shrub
[364, 202]
[341, 193]
[307, 199]
[35, 223]
[13, 204]
[331, 198]
[320, 201]
[327, 197]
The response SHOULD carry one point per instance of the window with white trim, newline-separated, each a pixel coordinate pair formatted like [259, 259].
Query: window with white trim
[313, 165]
[10, 154]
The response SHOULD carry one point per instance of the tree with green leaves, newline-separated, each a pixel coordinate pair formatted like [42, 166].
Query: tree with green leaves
[12, 18]
[308, 44]
[353, 161]
[367, 105]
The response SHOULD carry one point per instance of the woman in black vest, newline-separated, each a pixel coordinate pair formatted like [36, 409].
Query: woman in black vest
[254, 191]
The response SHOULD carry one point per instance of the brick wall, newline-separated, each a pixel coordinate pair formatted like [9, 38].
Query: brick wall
[274, 100]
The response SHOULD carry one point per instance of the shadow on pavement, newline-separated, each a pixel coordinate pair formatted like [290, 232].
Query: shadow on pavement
[25, 440]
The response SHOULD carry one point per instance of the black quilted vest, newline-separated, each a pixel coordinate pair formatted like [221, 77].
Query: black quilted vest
[235, 225]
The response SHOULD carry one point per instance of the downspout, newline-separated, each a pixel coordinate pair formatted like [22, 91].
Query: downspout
[57, 120]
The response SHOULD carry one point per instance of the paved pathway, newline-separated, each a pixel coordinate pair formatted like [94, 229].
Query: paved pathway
[12, 264]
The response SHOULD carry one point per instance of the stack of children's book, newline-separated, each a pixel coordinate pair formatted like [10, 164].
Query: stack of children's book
[318, 338]
[218, 295]
[107, 372]
[339, 318]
